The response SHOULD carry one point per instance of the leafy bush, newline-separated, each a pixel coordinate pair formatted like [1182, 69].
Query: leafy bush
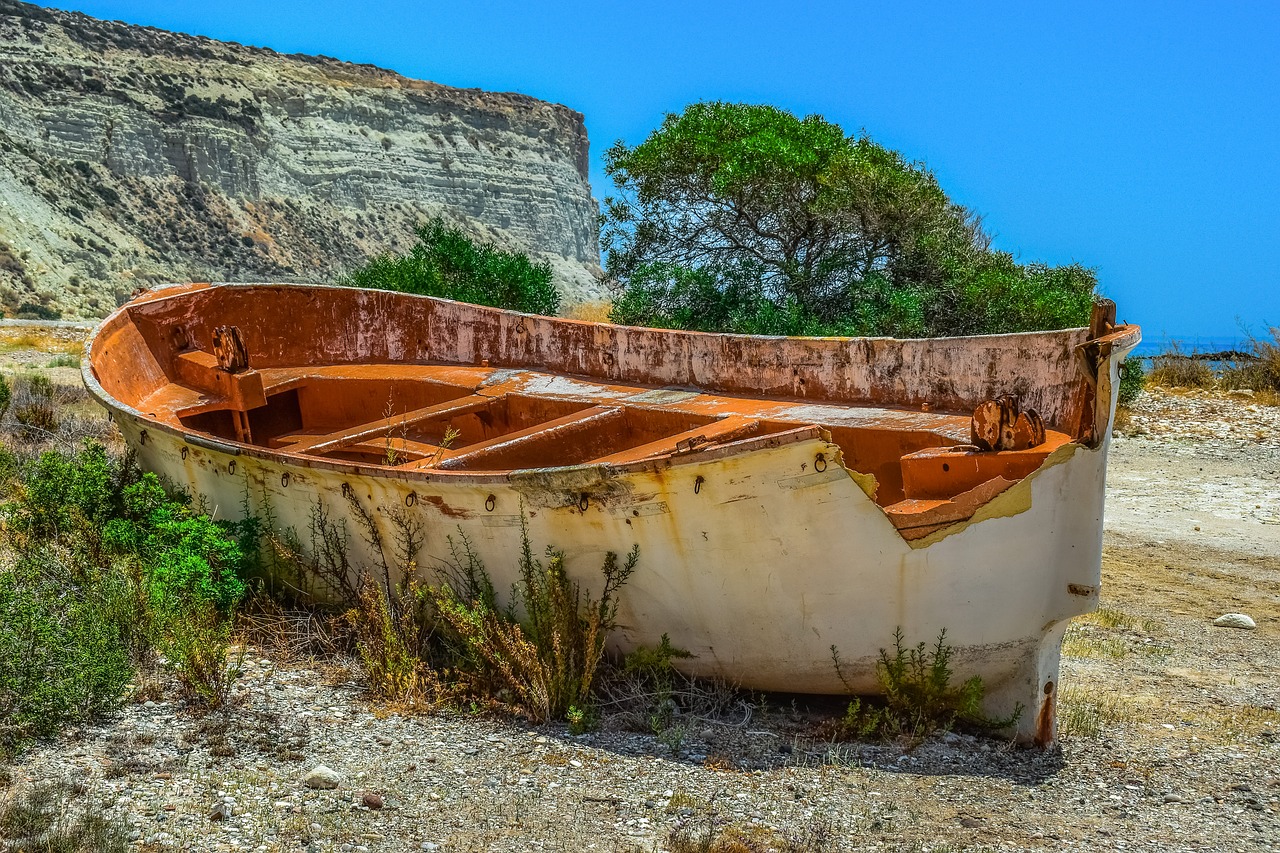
[445, 262]
[189, 561]
[547, 656]
[918, 697]
[67, 497]
[1132, 380]
[167, 578]
[745, 218]
[64, 657]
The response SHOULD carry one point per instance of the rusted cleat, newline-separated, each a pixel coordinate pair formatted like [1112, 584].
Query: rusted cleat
[1000, 424]
[229, 349]
[1028, 430]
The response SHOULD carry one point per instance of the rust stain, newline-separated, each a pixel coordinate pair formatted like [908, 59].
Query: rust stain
[451, 511]
[1046, 725]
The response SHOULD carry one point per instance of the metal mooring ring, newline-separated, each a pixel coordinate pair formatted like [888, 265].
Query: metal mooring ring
[697, 483]
[411, 499]
[490, 502]
[820, 463]
[284, 480]
[584, 502]
[184, 453]
[231, 467]
[346, 490]
[142, 437]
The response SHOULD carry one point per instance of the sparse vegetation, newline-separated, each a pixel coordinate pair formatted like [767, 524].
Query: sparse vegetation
[45, 819]
[447, 263]
[1083, 712]
[714, 834]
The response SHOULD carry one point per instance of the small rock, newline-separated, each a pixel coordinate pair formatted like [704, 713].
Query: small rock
[430, 845]
[322, 777]
[372, 800]
[220, 811]
[1172, 798]
[1235, 620]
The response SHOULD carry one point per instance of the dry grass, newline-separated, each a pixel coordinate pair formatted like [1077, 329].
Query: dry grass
[1262, 373]
[1245, 722]
[595, 312]
[1083, 712]
[50, 341]
[1176, 369]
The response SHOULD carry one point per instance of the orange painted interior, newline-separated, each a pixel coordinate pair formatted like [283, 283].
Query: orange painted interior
[322, 389]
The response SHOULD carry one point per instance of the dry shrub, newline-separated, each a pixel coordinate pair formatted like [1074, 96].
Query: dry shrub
[547, 660]
[648, 694]
[292, 636]
[45, 819]
[1176, 369]
[392, 628]
[1262, 372]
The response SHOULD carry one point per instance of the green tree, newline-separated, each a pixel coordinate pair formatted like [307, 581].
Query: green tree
[447, 263]
[734, 217]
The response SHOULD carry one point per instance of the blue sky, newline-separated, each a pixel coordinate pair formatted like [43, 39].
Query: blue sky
[1142, 139]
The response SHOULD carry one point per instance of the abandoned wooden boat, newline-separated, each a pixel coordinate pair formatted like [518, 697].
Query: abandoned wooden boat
[788, 495]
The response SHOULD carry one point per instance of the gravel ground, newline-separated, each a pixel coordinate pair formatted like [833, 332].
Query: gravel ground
[1172, 726]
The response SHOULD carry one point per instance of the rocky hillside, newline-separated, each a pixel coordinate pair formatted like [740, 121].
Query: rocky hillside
[130, 155]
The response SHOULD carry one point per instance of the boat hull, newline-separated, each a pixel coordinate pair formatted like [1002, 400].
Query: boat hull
[759, 561]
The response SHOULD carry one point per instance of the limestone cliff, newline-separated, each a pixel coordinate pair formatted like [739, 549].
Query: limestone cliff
[130, 155]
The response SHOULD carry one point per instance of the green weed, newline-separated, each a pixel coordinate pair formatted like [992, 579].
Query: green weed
[918, 697]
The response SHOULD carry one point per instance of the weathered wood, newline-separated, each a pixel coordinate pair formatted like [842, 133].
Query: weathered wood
[1103, 319]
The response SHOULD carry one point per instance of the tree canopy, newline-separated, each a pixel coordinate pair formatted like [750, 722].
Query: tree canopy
[446, 262]
[745, 218]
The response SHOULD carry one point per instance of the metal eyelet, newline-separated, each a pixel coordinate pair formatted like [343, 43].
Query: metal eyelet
[820, 463]
[490, 502]
[142, 437]
[284, 480]
[184, 453]
[697, 483]
[411, 499]
[346, 490]
[584, 502]
[231, 467]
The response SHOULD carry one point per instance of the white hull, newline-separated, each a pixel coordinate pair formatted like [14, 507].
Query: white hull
[755, 561]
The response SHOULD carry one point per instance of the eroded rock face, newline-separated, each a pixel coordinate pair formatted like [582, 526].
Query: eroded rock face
[130, 155]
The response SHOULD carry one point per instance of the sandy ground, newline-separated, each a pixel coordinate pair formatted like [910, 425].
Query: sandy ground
[1171, 727]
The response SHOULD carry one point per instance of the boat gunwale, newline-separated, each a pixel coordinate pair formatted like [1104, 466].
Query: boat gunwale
[1118, 337]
